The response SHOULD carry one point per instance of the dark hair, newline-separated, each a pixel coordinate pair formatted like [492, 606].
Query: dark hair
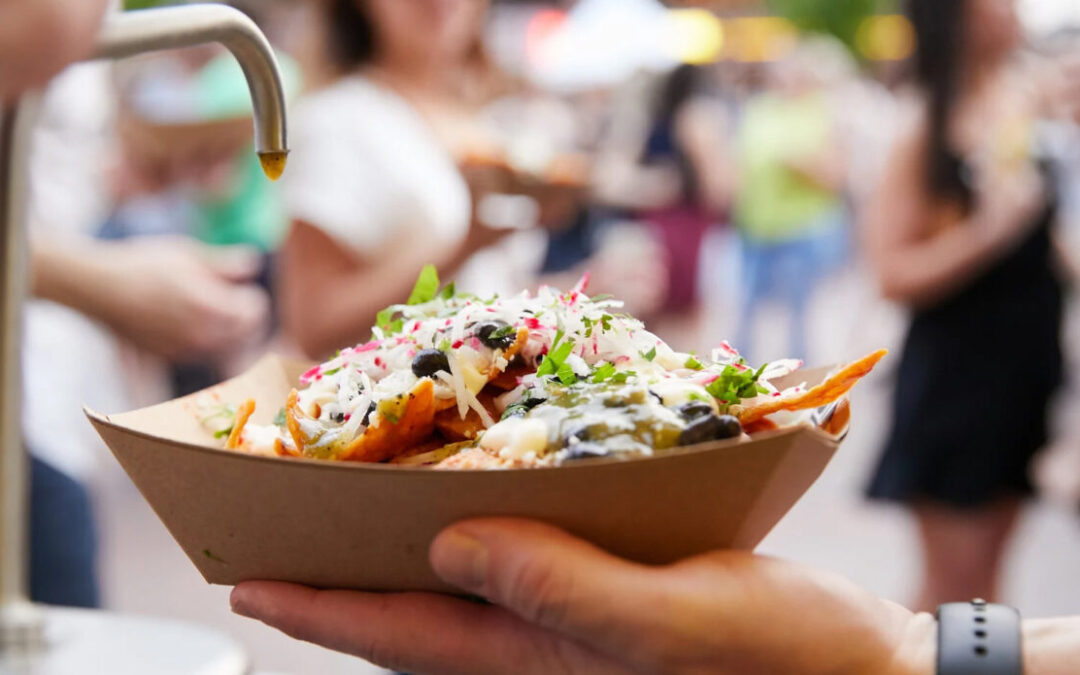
[940, 31]
[679, 86]
[352, 34]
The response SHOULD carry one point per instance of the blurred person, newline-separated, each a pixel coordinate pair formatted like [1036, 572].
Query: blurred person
[373, 189]
[960, 231]
[557, 604]
[27, 60]
[169, 314]
[665, 165]
[790, 196]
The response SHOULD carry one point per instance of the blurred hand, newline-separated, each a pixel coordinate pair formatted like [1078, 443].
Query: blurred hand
[1008, 203]
[181, 299]
[561, 605]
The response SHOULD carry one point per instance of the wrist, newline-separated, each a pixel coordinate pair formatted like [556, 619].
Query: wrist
[78, 274]
[1051, 646]
[916, 653]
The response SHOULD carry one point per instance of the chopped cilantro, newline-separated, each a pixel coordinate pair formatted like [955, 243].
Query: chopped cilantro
[498, 333]
[693, 364]
[426, 288]
[734, 385]
[444, 345]
[279, 419]
[555, 361]
[649, 355]
[623, 376]
[602, 373]
[224, 432]
[448, 291]
[605, 321]
[332, 371]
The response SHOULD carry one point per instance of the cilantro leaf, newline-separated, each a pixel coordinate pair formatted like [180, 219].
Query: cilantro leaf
[649, 355]
[448, 291]
[427, 286]
[623, 376]
[602, 373]
[279, 419]
[733, 385]
[693, 364]
[224, 432]
[332, 371]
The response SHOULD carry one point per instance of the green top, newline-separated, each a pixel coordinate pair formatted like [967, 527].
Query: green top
[775, 203]
[251, 212]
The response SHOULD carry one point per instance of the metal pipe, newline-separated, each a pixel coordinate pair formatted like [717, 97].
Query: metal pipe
[18, 622]
[130, 33]
[122, 35]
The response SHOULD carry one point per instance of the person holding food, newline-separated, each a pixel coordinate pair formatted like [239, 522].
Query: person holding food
[960, 232]
[561, 605]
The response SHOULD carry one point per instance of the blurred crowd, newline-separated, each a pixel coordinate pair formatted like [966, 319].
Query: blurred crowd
[952, 176]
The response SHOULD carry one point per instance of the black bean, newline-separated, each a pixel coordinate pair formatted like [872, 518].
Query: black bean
[486, 329]
[710, 428]
[367, 415]
[694, 409]
[576, 434]
[585, 451]
[428, 362]
[338, 417]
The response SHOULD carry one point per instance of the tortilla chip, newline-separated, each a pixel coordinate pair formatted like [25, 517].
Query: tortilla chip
[243, 414]
[840, 418]
[386, 439]
[292, 416]
[758, 426]
[430, 453]
[834, 386]
[508, 379]
[456, 429]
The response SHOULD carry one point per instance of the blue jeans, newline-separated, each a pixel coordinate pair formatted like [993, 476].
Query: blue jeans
[788, 272]
[63, 545]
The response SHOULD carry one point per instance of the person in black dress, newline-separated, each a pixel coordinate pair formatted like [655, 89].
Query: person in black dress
[960, 232]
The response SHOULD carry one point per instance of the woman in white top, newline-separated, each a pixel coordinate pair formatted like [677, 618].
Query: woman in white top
[372, 186]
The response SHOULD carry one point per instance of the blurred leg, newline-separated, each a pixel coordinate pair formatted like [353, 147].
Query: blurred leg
[755, 275]
[63, 549]
[963, 550]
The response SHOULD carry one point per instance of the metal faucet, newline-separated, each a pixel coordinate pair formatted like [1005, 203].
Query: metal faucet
[122, 35]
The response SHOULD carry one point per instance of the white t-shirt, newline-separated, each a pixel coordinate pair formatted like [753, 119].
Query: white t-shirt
[365, 165]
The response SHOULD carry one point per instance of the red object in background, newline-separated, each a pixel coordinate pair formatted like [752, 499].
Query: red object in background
[543, 24]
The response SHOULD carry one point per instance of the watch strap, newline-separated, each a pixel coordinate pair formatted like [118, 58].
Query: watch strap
[978, 638]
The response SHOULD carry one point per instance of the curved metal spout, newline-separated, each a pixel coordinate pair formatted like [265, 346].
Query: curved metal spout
[130, 33]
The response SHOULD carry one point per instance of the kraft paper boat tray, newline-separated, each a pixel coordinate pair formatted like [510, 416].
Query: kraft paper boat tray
[368, 526]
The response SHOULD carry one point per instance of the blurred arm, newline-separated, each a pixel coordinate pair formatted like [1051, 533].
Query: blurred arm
[329, 297]
[920, 250]
[1051, 646]
[39, 37]
[169, 295]
[700, 130]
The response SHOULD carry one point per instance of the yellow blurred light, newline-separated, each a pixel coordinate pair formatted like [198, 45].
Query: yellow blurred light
[760, 38]
[888, 37]
[697, 35]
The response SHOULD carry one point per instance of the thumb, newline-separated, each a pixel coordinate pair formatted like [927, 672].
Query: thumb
[233, 263]
[560, 583]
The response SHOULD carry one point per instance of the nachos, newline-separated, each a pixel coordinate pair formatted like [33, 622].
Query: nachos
[456, 381]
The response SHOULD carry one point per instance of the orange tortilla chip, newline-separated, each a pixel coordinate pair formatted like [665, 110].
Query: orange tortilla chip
[387, 439]
[292, 416]
[835, 386]
[455, 429]
[243, 414]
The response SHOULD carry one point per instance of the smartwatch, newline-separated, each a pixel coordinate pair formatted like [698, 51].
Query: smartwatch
[978, 638]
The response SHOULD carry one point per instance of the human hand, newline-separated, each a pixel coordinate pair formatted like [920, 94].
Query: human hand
[1008, 203]
[181, 299]
[560, 605]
